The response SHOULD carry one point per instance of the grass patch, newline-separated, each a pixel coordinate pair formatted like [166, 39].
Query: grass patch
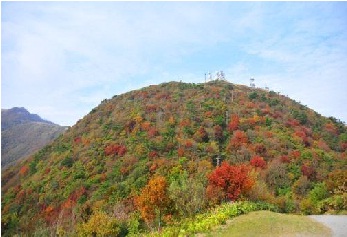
[266, 223]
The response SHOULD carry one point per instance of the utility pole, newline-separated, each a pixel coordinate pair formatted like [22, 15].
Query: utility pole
[226, 117]
[218, 160]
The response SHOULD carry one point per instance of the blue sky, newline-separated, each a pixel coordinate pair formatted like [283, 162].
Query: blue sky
[61, 59]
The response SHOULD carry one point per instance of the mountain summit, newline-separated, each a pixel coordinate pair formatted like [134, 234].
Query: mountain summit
[18, 115]
[157, 155]
[23, 133]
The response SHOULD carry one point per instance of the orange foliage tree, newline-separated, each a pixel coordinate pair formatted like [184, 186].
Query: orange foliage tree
[234, 180]
[239, 138]
[153, 199]
[24, 170]
[234, 123]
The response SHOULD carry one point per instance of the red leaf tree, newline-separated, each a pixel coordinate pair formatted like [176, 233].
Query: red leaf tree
[234, 180]
[308, 171]
[115, 149]
[258, 162]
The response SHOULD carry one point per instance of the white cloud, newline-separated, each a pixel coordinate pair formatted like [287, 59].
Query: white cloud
[62, 59]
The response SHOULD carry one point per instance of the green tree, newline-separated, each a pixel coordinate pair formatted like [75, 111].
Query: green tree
[188, 195]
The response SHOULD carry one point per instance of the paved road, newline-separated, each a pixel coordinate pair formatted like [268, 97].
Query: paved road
[337, 223]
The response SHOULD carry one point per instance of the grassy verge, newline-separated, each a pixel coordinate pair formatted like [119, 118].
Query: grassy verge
[205, 222]
[266, 223]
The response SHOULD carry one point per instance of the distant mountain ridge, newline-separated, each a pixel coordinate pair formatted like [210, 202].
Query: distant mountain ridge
[23, 133]
[18, 115]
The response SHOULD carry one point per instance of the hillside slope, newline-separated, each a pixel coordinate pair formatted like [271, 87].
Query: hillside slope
[169, 136]
[23, 133]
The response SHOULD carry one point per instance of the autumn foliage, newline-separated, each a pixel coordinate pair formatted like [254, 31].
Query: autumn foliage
[115, 149]
[158, 147]
[234, 123]
[24, 170]
[153, 199]
[258, 162]
[239, 138]
[233, 180]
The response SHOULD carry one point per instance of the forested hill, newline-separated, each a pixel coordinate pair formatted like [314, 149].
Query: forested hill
[150, 156]
[23, 133]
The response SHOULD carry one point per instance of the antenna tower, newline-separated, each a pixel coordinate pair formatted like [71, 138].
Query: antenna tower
[219, 75]
[251, 83]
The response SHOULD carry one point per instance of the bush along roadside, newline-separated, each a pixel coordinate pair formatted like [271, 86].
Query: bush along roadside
[205, 222]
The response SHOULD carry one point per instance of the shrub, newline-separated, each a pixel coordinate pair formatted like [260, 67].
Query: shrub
[319, 192]
[335, 203]
[307, 207]
[99, 224]
[253, 95]
[67, 162]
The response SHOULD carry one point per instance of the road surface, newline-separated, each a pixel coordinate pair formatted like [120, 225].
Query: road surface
[337, 223]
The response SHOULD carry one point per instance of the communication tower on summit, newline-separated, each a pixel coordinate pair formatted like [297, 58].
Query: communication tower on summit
[251, 83]
[220, 75]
